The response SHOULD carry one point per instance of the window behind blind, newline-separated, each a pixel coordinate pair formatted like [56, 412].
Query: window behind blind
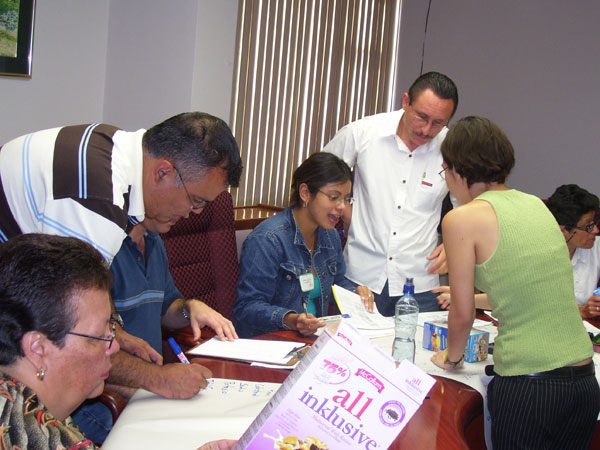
[303, 69]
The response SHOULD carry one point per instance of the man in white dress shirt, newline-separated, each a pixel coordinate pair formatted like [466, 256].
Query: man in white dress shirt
[399, 187]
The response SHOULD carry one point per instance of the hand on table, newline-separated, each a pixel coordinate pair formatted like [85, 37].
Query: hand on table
[439, 359]
[366, 296]
[305, 324]
[138, 347]
[444, 298]
[223, 444]
[440, 266]
[202, 315]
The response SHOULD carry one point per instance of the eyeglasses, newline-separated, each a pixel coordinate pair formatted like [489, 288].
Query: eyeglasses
[423, 119]
[338, 198]
[193, 206]
[113, 331]
[442, 173]
[588, 228]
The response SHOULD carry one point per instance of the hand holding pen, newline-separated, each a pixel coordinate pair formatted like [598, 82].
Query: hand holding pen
[178, 351]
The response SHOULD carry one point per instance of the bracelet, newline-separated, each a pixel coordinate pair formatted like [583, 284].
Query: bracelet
[184, 312]
[452, 363]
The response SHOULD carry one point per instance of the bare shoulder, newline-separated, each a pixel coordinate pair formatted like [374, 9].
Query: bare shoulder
[469, 217]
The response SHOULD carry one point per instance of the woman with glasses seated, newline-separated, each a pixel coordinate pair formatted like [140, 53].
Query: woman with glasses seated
[290, 261]
[575, 210]
[56, 338]
[544, 393]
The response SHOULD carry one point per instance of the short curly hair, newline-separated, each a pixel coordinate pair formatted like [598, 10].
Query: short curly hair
[569, 203]
[40, 276]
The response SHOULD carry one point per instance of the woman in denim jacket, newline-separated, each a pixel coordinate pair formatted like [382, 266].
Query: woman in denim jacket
[300, 244]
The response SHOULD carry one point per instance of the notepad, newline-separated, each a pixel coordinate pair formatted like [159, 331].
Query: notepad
[251, 350]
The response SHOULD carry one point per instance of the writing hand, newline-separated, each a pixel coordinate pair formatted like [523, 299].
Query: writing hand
[181, 381]
[440, 266]
[305, 324]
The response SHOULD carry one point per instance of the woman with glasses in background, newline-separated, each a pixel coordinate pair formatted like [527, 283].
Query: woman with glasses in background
[56, 339]
[576, 211]
[290, 261]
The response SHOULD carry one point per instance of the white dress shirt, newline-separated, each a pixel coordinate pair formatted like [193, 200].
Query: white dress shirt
[398, 200]
[586, 272]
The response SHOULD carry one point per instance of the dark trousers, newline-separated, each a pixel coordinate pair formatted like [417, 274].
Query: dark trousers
[543, 413]
[386, 305]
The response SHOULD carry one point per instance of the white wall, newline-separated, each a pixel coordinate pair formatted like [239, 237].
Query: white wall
[168, 57]
[150, 61]
[68, 70]
[215, 56]
[131, 63]
[531, 66]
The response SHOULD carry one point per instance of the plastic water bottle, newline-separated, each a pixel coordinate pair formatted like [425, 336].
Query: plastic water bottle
[405, 320]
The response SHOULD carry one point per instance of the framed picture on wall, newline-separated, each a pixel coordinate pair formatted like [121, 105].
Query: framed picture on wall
[16, 37]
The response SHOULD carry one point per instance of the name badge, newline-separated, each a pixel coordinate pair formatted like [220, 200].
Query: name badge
[307, 282]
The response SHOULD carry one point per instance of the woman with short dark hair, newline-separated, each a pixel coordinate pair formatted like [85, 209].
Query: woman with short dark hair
[56, 338]
[576, 211]
[506, 243]
[290, 261]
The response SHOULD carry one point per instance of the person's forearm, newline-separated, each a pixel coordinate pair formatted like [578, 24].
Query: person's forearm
[459, 328]
[129, 370]
[173, 318]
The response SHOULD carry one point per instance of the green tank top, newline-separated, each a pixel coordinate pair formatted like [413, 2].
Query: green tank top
[529, 282]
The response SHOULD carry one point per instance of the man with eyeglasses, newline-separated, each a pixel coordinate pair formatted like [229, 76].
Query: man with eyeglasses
[399, 191]
[95, 181]
[86, 181]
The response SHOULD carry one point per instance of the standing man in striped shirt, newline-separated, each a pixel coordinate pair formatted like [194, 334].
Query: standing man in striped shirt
[94, 182]
[86, 181]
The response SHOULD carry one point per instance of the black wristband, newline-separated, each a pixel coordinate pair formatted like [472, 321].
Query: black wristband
[452, 363]
[184, 312]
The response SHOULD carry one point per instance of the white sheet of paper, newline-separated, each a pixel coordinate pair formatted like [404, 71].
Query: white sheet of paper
[221, 411]
[270, 352]
[371, 324]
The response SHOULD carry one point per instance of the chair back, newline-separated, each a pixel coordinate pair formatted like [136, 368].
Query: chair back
[202, 255]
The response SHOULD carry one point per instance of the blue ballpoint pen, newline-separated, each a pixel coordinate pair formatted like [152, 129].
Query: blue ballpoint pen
[178, 351]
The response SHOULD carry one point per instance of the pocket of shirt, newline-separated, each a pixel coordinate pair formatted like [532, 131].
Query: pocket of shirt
[428, 195]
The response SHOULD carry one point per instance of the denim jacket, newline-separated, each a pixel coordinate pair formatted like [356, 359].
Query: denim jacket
[273, 256]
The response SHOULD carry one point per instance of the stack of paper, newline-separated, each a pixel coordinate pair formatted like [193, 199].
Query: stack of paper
[251, 350]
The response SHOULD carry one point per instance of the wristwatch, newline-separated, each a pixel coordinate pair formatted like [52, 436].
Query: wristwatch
[453, 363]
[184, 311]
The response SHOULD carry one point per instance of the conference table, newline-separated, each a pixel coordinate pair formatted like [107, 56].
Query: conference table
[451, 417]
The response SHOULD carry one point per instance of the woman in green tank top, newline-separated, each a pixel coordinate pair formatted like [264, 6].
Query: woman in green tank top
[506, 243]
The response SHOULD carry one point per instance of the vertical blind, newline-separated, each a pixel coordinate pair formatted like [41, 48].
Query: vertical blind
[303, 69]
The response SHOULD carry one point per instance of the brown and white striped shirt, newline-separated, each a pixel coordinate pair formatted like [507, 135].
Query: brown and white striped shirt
[81, 181]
